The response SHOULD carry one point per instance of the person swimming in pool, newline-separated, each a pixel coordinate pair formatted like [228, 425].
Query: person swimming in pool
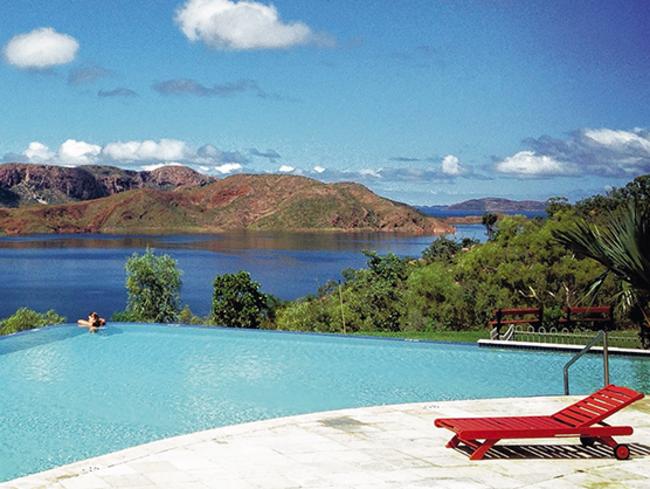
[93, 323]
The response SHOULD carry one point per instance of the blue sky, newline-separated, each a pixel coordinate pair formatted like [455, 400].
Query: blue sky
[426, 102]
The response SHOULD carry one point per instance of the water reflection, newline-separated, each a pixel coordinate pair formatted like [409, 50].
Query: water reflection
[225, 242]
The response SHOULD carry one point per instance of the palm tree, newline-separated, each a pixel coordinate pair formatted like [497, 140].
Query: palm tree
[622, 245]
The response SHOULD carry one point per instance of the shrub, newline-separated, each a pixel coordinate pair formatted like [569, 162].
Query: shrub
[153, 284]
[442, 249]
[25, 318]
[432, 300]
[124, 317]
[238, 302]
[186, 316]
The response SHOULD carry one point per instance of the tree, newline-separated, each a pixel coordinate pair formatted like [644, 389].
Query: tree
[25, 318]
[374, 296]
[442, 249]
[622, 246]
[556, 204]
[598, 207]
[153, 285]
[489, 220]
[238, 301]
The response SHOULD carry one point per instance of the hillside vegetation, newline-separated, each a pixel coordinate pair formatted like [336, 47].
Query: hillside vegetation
[253, 202]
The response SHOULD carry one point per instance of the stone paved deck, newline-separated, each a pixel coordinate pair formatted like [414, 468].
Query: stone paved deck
[369, 448]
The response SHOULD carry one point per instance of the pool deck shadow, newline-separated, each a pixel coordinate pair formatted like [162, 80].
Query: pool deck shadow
[380, 447]
[558, 452]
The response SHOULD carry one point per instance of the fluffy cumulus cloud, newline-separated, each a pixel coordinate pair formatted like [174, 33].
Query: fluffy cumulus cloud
[227, 168]
[286, 169]
[38, 152]
[529, 163]
[226, 24]
[451, 165]
[40, 49]
[164, 150]
[139, 155]
[78, 152]
[602, 152]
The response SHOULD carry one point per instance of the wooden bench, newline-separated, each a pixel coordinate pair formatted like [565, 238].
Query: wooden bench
[601, 315]
[516, 315]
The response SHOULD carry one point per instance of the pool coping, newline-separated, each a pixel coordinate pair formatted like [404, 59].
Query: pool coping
[531, 345]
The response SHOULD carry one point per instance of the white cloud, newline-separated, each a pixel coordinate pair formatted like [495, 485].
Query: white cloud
[319, 169]
[451, 165]
[164, 152]
[528, 163]
[38, 152]
[165, 149]
[369, 172]
[160, 165]
[604, 152]
[618, 139]
[227, 168]
[227, 24]
[40, 49]
[286, 169]
[78, 152]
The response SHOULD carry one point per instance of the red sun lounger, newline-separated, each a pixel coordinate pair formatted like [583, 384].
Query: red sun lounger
[584, 419]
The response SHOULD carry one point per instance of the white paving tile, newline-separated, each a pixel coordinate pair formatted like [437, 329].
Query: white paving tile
[382, 447]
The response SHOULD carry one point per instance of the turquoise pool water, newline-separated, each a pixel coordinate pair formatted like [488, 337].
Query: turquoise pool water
[66, 395]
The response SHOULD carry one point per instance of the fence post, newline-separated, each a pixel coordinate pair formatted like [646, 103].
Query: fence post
[499, 315]
[605, 358]
[341, 302]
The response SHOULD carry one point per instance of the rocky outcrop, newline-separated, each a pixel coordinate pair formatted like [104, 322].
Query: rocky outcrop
[24, 184]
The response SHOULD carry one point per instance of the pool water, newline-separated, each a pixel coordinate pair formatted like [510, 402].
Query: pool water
[67, 395]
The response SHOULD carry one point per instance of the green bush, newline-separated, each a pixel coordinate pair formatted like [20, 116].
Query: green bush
[432, 299]
[25, 318]
[153, 285]
[310, 315]
[124, 317]
[238, 302]
[186, 316]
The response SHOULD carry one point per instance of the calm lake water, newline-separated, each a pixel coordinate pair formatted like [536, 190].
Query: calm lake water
[74, 274]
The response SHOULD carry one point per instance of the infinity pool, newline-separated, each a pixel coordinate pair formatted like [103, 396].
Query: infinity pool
[66, 395]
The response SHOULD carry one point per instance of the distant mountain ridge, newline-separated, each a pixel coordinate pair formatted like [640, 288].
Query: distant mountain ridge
[23, 184]
[253, 202]
[488, 204]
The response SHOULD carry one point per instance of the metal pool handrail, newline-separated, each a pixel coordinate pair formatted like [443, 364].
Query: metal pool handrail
[600, 335]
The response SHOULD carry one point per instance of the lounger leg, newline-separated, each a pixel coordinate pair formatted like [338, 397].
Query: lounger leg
[453, 443]
[607, 440]
[480, 452]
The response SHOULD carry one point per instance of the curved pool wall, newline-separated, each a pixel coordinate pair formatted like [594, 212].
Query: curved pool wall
[67, 395]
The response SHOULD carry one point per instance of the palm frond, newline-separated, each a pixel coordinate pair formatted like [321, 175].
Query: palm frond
[622, 245]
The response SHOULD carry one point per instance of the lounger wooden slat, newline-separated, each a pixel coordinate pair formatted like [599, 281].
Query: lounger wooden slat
[582, 419]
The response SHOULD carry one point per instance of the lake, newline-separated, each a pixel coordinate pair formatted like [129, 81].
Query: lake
[74, 274]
